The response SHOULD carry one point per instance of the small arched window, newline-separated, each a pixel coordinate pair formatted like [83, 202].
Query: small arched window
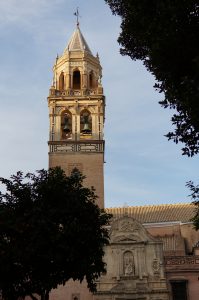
[66, 125]
[85, 123]
[61, 81]
[91, 80]
[76, 80]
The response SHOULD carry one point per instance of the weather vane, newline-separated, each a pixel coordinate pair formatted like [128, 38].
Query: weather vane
[77, 15]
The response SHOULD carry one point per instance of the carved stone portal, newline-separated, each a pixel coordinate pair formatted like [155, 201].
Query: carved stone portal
[133, 264]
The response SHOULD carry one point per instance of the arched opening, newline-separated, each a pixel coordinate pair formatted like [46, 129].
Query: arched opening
[91, 80]
[128, 263]
[61, 81]
[66, 125]
[85, 123]
[76, 79]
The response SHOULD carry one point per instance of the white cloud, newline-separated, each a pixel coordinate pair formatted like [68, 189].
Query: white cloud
[23, 10]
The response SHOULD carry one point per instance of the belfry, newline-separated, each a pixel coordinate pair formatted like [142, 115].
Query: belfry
[76, 110]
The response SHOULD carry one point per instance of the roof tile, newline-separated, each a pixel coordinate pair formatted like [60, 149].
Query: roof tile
[181, 212]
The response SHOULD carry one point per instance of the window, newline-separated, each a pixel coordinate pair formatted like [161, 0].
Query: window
[76, 79]
[91, 80]
[61, 81]
[179, 289]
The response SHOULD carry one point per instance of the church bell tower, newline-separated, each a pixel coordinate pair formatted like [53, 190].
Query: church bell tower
[76, 111]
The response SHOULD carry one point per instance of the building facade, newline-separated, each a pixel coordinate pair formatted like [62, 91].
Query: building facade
[171, 225]
[153, 250]
[135, 267]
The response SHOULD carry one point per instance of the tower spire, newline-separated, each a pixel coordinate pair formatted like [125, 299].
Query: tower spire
[77, 106]
[77, 16]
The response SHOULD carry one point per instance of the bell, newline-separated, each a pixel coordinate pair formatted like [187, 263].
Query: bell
[86, 128]
[66, 128]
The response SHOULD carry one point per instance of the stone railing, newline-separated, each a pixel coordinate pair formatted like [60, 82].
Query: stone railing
[76, 146]
[73, 92]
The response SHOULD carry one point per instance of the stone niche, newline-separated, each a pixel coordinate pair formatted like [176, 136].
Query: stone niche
[134, 261]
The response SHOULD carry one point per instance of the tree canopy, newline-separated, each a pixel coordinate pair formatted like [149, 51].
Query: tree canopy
[195, 197]
[51, 231]
[164, 34]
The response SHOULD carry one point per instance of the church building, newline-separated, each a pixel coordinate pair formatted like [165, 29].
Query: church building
[153, 251]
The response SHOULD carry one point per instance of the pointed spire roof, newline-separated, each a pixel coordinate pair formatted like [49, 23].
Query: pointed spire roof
[77, 42]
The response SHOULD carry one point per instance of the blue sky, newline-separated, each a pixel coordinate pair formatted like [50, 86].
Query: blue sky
[141, 167]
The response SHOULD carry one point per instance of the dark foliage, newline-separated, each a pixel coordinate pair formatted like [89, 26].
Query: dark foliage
[195, 197]
[50, 231]
[164, 35]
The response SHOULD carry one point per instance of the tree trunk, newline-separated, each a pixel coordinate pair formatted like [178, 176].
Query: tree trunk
[45, 295]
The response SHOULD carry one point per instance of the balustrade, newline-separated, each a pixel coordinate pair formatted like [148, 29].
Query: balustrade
[77, 146]
[72, 92]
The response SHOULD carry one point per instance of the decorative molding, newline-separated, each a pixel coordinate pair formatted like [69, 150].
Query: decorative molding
[72, 92]
[75, 63]
[182, 260]
[128, 230]
[156, 265]
[71, 146]
[128, 225]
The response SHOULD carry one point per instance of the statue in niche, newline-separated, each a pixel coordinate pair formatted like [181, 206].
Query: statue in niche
[129, 269]
[128, 263]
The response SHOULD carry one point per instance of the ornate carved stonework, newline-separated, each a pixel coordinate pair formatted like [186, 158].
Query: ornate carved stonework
[128, 230]
[128, 225]
[156, 265]
[133, 269]
[83, 146]
[182, 260]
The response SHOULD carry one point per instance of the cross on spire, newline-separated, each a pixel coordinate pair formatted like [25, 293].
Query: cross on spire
[77, 16]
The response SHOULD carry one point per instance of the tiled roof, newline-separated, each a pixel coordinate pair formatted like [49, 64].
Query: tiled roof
[78, 42]
[182, 212]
